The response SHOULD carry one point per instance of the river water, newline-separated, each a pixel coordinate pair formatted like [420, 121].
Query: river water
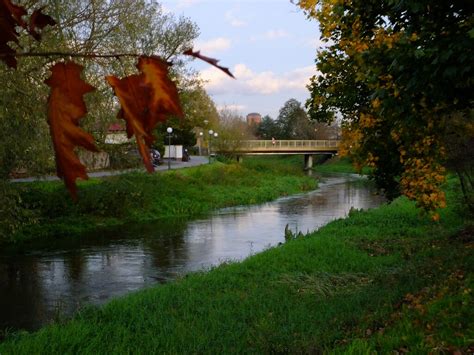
[42, 284]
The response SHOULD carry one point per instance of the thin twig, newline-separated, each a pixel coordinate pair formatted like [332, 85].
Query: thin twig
[66, 54]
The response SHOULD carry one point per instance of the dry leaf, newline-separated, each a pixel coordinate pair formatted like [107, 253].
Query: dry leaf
[146, 99]
[10, 17]
[38, 20]
[211, 61]
[134, 97]
[164, 99]
[65, 108]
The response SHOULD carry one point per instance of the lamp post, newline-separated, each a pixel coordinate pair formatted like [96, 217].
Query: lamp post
[169, 130]
[200, 142]
[211, 132]
[216, 135]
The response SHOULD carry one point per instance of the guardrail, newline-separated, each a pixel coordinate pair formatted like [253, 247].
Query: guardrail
[288, 145]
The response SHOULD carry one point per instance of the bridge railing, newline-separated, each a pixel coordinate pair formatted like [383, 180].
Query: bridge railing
[288, 144]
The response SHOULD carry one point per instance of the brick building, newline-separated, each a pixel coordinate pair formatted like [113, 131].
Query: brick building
[254, 119]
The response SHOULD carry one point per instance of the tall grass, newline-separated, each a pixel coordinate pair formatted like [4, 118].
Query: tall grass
[381, 281]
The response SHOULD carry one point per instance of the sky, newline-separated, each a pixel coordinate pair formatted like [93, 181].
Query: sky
[269, 45]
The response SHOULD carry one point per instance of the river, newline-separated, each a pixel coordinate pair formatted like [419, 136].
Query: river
[56, 281]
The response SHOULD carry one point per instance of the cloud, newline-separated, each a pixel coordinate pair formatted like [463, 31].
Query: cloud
[271, 35]
[181, 4]
[214, 45]
[233, 20]
[249, 82]
[231, 107]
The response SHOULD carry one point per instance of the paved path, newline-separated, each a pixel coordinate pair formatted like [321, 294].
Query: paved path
[175, 164]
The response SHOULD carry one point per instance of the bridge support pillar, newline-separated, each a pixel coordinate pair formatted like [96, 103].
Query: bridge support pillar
[308, 161]
[240, 158]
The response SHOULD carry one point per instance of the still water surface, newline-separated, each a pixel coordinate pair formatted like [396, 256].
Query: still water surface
[37, 286]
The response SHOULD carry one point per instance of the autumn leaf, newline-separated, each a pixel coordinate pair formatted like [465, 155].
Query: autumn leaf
[38, 20]
[145, 100]
[211, 61]
[164, 99]
[15, 11]
[65, 108]
[10, 17]
[134, 97]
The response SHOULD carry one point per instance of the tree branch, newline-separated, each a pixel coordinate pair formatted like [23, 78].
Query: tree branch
[69, 54]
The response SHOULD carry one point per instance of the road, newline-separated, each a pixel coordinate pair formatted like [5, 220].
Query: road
[175, 164]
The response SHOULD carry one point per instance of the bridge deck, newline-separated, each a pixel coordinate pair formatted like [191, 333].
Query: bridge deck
[288, 146]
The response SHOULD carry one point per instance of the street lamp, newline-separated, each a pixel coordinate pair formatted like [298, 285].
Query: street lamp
[169, 130]
[211, 132]
[200, 142]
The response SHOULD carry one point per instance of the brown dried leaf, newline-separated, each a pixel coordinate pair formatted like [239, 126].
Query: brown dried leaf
[10, 17]
[65, 108]
[16, 12]
[146, 99]
[211, 61]
[164, 99]
[38, 21]
[134, 97]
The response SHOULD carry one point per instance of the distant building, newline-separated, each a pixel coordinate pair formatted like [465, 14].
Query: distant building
[116, 134]
[254, 119]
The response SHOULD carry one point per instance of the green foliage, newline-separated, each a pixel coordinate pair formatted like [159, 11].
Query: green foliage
[13, 216]
[381, 281]
[123, 156]
[268, 128]
[294, 123]
[386, 69]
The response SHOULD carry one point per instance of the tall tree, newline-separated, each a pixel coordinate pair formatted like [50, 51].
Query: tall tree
[397, 71]
[291, 112]
[268, 128]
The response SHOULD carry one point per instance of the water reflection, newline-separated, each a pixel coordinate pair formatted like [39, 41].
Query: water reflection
[39, 285]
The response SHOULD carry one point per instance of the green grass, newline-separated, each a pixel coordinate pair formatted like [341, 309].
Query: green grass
[143, 197]
[380, 281]
[338, 165]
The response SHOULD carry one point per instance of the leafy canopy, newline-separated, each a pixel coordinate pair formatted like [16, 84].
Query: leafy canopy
[396, 71]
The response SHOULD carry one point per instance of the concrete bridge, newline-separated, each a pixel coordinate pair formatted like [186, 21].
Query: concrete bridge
[308, 148]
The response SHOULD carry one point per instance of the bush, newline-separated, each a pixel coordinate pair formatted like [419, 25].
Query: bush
[12, 215]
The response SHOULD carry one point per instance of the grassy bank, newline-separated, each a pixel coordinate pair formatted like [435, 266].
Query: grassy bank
[380, 281]
[338, 165]
[144, 197]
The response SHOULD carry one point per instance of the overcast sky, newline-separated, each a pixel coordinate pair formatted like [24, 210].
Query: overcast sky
[269, 46]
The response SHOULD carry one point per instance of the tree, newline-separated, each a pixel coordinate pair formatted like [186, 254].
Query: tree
[232, 130]
[268, 128]
[147, 96]
[82, 27]
[397, 72]
[289, 114]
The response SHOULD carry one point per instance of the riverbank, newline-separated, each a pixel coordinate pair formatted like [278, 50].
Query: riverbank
[139, 197]
[382, 280]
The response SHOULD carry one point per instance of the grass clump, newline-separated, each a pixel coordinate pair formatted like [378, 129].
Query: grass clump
[381, 281]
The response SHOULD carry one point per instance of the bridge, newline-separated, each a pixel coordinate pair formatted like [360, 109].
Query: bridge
[287, 147]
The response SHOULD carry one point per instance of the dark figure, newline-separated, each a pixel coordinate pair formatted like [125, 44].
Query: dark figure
[186, 156]
[155, 157]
